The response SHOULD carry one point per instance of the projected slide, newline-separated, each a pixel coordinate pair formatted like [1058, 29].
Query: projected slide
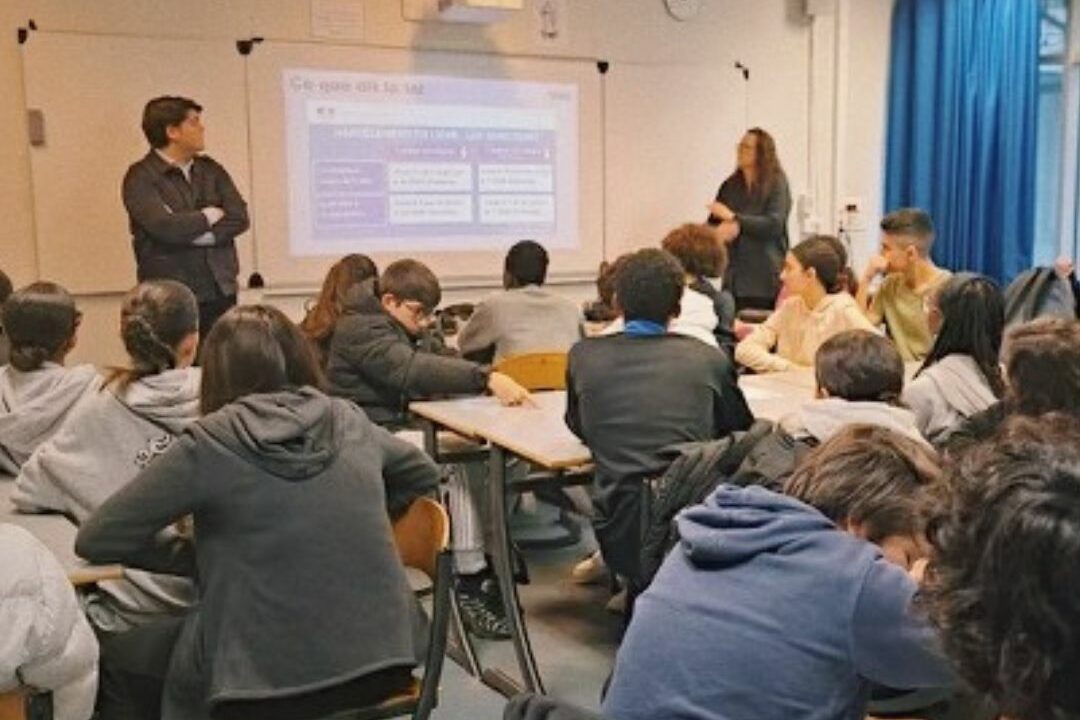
[405, 163]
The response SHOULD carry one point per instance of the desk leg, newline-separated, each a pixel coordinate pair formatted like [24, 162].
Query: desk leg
[501, 555]
[462, 651]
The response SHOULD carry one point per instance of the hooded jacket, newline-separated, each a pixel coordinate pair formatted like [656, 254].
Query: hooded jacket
[33, 406]
[375, 363]
[772, 460]
[46, 642]
[767, 610]
[107, 441]
[947, 393]
[300, 585]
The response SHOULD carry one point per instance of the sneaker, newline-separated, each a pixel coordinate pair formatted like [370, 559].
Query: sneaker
[590, 571]
[481, 607]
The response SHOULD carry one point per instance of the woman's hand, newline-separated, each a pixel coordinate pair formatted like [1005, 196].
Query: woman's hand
[728, 231]
[720, 210]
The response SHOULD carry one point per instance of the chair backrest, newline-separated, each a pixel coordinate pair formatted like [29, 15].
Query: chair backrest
[536, 371]
[421, 534]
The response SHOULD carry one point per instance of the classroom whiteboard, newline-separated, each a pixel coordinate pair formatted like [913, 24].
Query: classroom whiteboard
[275, 66]
[91, 90]
[654, 142]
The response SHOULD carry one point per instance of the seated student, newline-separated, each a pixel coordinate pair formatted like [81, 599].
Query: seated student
[860, 378]
[5, 291]
[338, 288]
[813, 312]
[291, 493]
[36, 391]
[632, 394]
[115, 433]
[704, 259]
[911, 278]
[524, 317]
[382, 357]
[1042, 375]
[961, 375]
[46, 643]
[790, 606]
[602, 310]
[1002, 585]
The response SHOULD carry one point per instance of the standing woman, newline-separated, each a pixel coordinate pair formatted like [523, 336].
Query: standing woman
[751, 211]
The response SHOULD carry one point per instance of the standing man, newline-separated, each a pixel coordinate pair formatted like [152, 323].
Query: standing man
[184, 210]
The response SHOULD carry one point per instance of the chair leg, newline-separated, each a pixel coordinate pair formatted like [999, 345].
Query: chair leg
[461, 636]
[442, 605]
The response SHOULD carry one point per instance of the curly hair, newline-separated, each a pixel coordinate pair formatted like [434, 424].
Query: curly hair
[1042, 363]
[649, 285]
[1004, 585]
[698, 250]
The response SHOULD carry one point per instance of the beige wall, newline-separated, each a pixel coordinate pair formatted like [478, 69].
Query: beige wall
[773, 37]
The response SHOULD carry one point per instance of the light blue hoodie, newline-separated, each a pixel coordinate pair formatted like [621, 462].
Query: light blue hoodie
[766, 610]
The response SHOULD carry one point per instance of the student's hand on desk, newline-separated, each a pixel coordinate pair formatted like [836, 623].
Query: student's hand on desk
[508, 391]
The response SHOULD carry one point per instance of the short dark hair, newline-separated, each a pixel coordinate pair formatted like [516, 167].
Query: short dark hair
[697, 249]
[972, 323]
[913, 225]
[859, 365]
[411, 280]
[1002, 587]
[526, 263]
[165, 112]
[254, 349]
[155, 316]
[819, 252]
[1042, 363]
[39, 320]
[869, 475]
[649, 285]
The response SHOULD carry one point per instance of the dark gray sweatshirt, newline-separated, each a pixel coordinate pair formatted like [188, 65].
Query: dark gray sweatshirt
[301, 587]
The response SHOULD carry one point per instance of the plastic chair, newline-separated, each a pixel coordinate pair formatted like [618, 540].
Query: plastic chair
[422, 536]
[536, 371]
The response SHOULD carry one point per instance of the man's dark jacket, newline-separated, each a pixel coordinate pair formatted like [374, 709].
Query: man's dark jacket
[164, 211]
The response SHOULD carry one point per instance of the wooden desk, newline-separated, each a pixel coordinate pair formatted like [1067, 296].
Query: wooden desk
[537, 434]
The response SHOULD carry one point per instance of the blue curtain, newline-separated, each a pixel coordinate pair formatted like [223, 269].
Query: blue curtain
[963, 103]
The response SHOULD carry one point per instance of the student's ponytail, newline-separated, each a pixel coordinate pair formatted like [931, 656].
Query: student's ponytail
[40, 321]
[155, 317]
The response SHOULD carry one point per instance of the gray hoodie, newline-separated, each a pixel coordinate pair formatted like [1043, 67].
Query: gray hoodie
[103, 445]
[34, 404]
[947, 393]
[300, 586]
[823, 418]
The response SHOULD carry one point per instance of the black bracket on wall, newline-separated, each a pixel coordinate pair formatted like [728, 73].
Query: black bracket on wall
[602, 66]
[244, 47]
[23, 34]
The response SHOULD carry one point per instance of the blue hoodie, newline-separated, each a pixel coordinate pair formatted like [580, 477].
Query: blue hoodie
[767, 610]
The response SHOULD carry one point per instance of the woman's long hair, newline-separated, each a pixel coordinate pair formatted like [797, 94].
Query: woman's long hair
[766, 162]
[343, 276]
[972, 323]
[254, 349]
